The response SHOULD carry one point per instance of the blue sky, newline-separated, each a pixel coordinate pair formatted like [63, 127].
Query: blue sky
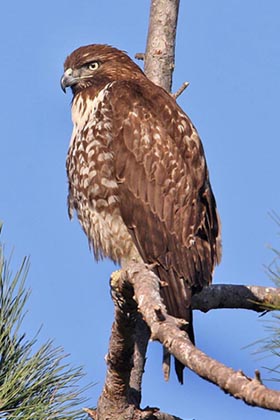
[229, 51]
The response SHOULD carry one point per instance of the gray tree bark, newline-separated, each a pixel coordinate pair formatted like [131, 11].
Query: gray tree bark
[160, 47]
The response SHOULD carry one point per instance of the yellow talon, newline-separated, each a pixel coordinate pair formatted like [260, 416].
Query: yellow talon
[115, 279]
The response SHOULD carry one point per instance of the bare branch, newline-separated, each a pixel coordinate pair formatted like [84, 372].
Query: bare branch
[140, 56]
[163, 416]
[160, 48]
[90, 412]
[180, 90]
[141, 337]
[236, 383]
[114, 400]
[118, 399]
[255, 298]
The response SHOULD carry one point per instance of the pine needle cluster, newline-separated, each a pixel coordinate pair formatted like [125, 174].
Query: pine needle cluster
[34, 384]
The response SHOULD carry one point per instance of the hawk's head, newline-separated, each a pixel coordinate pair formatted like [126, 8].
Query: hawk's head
[97, 65]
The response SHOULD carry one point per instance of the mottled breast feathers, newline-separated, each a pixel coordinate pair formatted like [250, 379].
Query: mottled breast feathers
[137, 174]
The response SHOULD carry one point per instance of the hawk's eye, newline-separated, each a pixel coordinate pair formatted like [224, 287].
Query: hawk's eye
[93, 65]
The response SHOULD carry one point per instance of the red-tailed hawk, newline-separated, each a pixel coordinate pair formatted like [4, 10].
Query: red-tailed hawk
[137, 175]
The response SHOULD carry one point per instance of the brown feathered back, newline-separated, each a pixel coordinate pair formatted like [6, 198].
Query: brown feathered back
[138, 177]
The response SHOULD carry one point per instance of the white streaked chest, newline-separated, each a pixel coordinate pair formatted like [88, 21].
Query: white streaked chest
[92, 184]
[88, 161]
[88, 113]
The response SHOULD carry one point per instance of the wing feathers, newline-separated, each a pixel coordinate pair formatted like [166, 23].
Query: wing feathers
[164, 192]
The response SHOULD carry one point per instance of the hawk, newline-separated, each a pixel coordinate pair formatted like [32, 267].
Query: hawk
[138, 178]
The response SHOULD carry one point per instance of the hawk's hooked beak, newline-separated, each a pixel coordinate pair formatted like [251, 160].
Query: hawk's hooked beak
[68, 79]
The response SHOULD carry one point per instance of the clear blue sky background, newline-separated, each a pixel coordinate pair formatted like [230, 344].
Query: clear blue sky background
[230, 53]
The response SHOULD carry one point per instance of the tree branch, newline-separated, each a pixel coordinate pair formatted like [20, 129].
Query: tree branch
[118, 399]
[158, 67]
[255, 298]
[114, 400]
[137, 285]
[141, 337]
[160, 48]
[180, 90]
[166, 329]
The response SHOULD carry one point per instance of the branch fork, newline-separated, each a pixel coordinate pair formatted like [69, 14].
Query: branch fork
[140, 296]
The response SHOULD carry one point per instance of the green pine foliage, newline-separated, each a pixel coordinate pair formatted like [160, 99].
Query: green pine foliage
[34, 385]
[269, 346]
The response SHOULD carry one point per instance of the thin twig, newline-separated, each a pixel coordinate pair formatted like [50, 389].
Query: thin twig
[90, 412]
[180, 90]
[140, 56]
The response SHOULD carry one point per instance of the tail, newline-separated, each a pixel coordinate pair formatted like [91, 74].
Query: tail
[179, 367]
[177, 298]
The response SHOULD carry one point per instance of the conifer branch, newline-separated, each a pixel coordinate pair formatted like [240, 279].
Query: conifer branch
[33, 384]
